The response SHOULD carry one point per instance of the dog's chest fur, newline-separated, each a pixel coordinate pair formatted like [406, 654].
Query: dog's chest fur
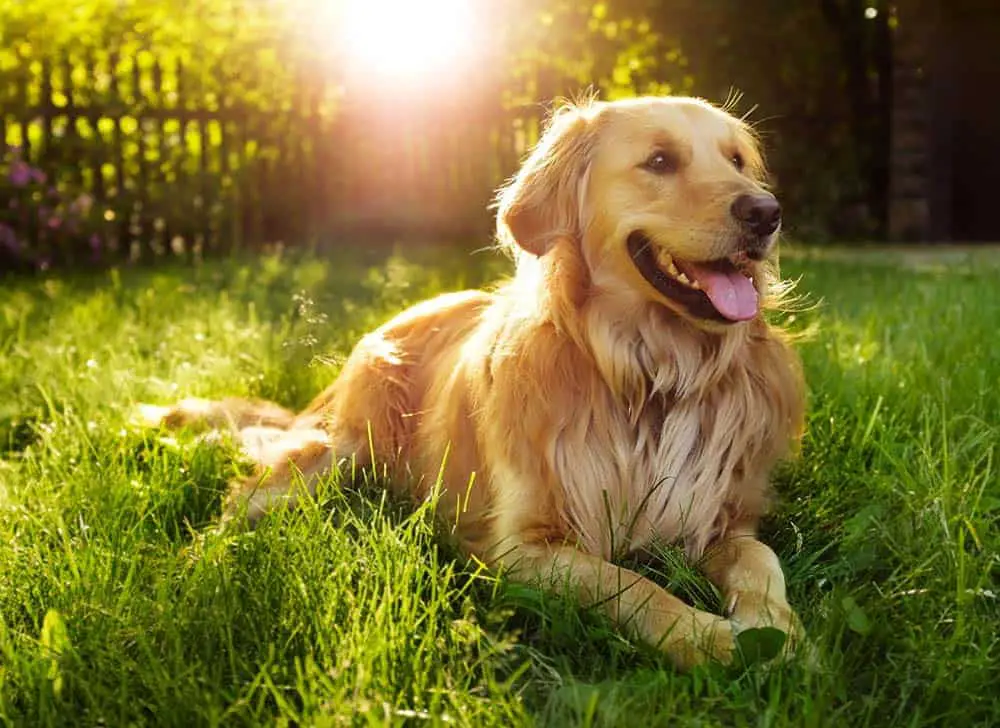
[674, 453]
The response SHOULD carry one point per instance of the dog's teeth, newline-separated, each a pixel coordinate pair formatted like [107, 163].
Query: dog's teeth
[672, 269]
[684, 279]
[696, 285]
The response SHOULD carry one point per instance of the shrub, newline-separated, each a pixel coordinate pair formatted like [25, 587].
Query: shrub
[43, 222]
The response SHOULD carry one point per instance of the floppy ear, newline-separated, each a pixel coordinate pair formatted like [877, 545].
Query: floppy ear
[542, 202]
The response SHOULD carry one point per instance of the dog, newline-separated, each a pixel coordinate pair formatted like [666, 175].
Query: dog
[622, 388]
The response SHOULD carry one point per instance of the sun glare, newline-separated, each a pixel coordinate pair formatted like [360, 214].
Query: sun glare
[406, 39]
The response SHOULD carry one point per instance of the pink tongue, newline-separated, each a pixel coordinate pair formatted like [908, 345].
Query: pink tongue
[731, 292]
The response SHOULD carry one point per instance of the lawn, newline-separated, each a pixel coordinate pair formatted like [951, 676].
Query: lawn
[117, 609]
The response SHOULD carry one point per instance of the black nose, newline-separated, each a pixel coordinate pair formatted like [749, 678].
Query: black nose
[759, 212]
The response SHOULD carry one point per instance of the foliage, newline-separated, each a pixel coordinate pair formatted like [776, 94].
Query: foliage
[561, 47]
[117, 605]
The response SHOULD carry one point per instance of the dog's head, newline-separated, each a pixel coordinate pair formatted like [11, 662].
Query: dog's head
[665, 197]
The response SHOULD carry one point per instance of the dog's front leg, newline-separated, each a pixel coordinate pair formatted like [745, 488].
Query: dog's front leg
[687, 635]
[753, 586]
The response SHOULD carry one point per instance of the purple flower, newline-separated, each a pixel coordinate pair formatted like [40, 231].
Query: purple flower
[20, 173]
[38, 175]
[8, 238]
[95, 247]
[54, 222]
[82, 204]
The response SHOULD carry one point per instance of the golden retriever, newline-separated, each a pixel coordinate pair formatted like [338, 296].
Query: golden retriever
[623, 388]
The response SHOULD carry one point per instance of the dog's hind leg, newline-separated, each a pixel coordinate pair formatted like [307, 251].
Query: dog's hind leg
[226, 414]
[288, 463]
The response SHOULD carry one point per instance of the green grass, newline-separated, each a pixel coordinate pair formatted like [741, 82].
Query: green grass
[117, 609]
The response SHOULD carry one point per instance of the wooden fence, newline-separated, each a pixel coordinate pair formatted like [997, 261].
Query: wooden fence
[155, 162]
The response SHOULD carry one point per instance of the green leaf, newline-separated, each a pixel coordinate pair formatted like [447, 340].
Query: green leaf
[760, 644]
[55, 640]
[857, 620]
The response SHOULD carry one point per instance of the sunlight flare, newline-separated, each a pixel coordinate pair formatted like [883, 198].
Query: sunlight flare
[405, 40]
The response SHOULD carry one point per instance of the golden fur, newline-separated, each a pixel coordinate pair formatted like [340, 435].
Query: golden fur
[578, 411]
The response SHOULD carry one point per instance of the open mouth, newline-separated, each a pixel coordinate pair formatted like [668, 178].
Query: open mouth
[719, 290]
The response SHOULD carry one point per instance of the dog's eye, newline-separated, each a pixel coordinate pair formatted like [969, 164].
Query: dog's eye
[661, 163]
[737, 160]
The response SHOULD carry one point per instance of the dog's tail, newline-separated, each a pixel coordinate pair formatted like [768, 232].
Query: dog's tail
[227, 414]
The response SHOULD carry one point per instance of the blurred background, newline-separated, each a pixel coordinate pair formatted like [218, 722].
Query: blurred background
[135, 130]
